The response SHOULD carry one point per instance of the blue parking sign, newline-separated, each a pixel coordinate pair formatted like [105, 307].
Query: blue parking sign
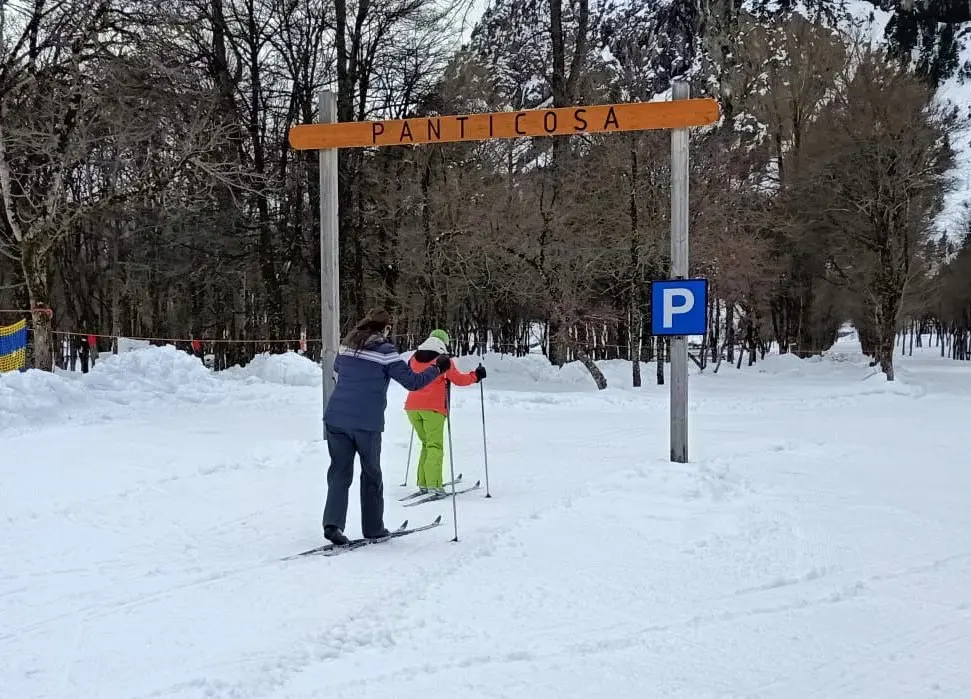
[679, 307]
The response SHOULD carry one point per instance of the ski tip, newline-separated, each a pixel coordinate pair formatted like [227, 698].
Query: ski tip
[476, 484]
[404, 525]
[438, 520]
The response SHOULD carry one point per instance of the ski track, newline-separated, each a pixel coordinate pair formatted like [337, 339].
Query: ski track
[814, 547]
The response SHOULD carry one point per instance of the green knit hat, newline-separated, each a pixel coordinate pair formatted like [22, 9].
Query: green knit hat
[441, 335]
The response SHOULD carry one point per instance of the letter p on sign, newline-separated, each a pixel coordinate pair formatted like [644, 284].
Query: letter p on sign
[687, 302]
[679, 307]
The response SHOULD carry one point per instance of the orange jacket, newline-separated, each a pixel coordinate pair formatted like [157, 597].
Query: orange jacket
[432, 396]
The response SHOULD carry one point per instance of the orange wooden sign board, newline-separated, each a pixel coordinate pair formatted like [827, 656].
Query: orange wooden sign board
[605, 118]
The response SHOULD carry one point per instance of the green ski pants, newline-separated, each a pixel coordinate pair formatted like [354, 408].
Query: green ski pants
[430, 428]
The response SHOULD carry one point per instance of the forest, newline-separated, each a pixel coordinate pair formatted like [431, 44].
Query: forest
[148, 190]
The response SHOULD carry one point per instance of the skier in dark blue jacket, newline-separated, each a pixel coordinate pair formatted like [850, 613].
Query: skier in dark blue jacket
[354, 419]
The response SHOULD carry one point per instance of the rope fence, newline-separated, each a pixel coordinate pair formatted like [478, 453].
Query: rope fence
[219, 353]
[21, 311]
[174, 340]
[402, 340]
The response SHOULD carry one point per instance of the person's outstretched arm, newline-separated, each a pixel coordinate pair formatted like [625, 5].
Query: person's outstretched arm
[400, 371]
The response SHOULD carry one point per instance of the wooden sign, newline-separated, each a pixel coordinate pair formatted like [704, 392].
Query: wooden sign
[605, 118]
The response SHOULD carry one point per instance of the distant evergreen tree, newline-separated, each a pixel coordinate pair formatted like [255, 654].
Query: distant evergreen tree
[929, 33]
[653, 42]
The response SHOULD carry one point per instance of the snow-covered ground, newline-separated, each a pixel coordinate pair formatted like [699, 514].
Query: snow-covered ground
[818, 544]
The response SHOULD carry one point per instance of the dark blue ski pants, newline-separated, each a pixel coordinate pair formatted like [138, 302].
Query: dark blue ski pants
[343, 445]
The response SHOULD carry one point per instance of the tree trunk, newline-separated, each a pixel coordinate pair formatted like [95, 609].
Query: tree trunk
[557, 347]
[647, 340]
[886, 334]
[37, 276]
[594, 370]
[659, 358]
[885, 356]
[115, 293]
[806, 335]
[730, 329]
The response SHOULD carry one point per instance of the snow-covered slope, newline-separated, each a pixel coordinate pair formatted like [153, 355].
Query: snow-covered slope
[817, 544]
[954, 219]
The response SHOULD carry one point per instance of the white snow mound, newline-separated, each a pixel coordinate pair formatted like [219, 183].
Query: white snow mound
[148, 376]
[157, 371]
[530, 373]
[144, 376]
[31, 396]
[289, 369]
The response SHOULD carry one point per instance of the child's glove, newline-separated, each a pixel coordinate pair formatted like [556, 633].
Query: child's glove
[443, 363]
[480, 373]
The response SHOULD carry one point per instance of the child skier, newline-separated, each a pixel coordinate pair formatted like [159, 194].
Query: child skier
[427, 408]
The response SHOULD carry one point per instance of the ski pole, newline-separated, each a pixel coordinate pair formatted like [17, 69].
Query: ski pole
[451, 456]
[411, 440]
[485, 449]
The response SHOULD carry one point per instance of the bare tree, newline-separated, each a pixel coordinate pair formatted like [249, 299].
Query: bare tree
[74, 95]
[880, 155]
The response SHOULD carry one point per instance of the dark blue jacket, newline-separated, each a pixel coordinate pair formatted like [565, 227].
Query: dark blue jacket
[361, 395]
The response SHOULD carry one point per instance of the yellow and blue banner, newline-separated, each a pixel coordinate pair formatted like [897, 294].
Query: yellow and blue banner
[13, 347]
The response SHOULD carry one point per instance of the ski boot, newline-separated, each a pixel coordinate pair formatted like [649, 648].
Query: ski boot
[335, 536]
[383, 535]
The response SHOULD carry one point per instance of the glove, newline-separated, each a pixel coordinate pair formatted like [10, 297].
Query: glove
[480, 373]
[444, 363]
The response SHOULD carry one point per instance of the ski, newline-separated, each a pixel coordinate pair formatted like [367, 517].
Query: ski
[331, 549]
[419, 494]
[327, 547]
[361, 543]
[434, 498]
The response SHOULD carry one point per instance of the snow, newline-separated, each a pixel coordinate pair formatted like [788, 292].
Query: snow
[473, 14]
[290, 369]
[954, 218]
[869, 18]
[818, 544]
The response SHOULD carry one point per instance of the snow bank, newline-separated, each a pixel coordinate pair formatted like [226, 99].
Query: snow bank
[781, 364]
[35, 396]
[142, 376]
[531, 373]
[126, 344]
[153, 371]
[290, 369]
[153, 376]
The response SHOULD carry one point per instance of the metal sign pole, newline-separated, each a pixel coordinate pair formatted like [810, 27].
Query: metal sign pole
[329, 258]
[679, 270]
